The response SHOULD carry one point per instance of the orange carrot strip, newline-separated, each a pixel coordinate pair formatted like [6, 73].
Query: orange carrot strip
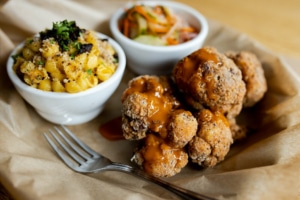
[157, 28]
[158, 10]
[126, 27]
[171, 19]
[130, 13]
[141, 10]
[188, 29]
[171, 41]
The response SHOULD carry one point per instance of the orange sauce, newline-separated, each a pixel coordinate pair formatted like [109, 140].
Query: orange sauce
[191, 64]
[159, 102]
[209, 116]
[189, 68]
[220, 116]
[204, 55]
[162, 110]
[154, 151]
[112, 130]
[135, 86]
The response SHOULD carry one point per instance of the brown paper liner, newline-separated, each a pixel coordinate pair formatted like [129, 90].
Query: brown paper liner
[263, 166]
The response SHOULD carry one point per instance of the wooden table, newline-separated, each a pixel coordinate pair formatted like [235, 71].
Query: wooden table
[275, 24]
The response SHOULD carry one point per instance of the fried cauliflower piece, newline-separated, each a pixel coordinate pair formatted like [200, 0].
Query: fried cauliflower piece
[146, 106]
[211, 80]
[152, 114]
[213, 139]
[160, 159]
[238, 131]
[182, 128]
[135, 113]
[201, 124]
[253, 76]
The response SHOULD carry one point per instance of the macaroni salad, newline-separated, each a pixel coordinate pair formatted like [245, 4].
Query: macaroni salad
[65, 59]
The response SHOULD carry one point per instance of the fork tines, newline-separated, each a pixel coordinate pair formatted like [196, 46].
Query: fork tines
[73, 151]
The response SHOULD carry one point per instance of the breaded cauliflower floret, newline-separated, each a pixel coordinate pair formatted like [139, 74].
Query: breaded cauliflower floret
[147, 105]
[253, 76]
[135, 113]
[213, 139]
[201, 124]
[158, 158]
[238, 131]
[182, 128]
[211, 80]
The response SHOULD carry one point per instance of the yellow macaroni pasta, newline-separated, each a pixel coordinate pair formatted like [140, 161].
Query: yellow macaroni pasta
[43, 64]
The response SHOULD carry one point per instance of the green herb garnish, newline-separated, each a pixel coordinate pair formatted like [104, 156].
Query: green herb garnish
[52, 41]
[116, 58]
[76, 45]
[40, 63]
[15, 57]
[66, 34]
[29, 41]
[72, 56]
[89, 71]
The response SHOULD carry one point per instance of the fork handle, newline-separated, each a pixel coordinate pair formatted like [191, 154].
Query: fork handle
[181, 192]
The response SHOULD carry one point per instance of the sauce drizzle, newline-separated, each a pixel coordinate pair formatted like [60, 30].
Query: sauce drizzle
[112, 130]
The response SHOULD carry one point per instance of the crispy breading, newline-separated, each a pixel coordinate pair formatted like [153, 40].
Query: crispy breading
[182, 128]
[213, 139]
[151, 113]
[194, 117]
[211, 80]
[135, 113]
[160, 159]
[253, 76]
[147, 104]
[238, 131]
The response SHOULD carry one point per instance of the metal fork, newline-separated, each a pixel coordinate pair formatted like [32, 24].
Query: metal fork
[81, 158]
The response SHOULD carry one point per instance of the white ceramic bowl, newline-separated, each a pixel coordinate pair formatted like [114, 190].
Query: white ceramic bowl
[67, 108]
[159, 60]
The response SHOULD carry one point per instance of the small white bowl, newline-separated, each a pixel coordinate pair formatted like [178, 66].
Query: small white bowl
[159, 60]
[67, 108]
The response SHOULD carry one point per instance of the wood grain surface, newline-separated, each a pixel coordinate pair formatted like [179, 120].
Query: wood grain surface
[275, 24]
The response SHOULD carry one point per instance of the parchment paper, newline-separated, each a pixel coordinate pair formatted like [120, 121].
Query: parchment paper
[263, 166]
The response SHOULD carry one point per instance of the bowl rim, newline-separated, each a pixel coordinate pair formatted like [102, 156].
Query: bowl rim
[64, 95]
[199, 16]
